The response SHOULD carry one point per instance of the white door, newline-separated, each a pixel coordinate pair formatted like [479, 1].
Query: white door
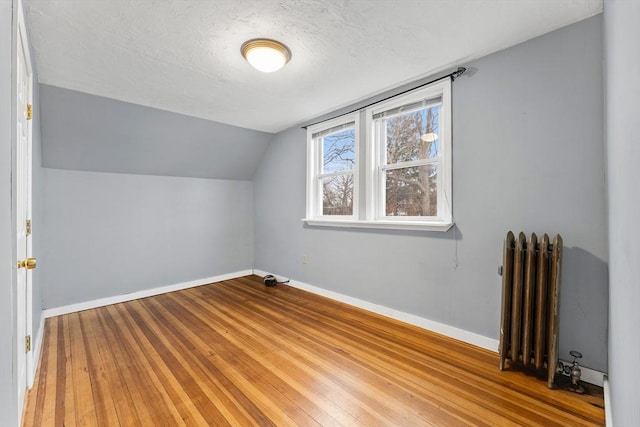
[24, 85]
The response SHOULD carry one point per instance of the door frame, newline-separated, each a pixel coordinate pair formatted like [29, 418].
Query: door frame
[22, 29]
[24, 311]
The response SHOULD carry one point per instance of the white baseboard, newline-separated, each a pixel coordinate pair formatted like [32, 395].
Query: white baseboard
[440, 328]
[101, 302]
[608, 415]
[588, 375]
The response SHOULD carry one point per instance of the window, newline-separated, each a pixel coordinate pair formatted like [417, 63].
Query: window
[406, 145]
[332, 184]
[410, 137]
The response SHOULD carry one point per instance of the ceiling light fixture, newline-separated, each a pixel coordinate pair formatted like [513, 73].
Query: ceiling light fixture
[265, 55]
[429, 137]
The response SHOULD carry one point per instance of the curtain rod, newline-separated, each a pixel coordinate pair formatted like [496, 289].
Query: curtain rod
[454, 75]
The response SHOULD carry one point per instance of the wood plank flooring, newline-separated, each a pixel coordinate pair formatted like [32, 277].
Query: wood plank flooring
[238, 353]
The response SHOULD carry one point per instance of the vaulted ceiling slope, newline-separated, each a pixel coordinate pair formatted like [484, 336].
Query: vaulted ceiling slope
[92, 133]
[184, 55]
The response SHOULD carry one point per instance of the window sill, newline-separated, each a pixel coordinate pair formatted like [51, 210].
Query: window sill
[386, 225]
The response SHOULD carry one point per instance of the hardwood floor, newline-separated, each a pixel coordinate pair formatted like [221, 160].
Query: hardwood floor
[238, 353]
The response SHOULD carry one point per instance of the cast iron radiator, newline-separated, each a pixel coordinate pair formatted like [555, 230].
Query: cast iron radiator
[530, 303]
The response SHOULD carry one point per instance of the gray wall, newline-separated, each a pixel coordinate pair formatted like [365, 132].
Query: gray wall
[8, 413]
[528, 155]
[111, 234]
[92, 133]
[623, 155]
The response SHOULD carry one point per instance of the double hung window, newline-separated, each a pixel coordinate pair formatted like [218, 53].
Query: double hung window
[405, 162]
[333, 187]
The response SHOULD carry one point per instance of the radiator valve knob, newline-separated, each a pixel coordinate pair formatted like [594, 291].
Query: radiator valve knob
[576, 372]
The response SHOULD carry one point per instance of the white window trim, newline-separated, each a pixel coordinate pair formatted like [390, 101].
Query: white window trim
[314, 166]
[379, 224]
[372, 216]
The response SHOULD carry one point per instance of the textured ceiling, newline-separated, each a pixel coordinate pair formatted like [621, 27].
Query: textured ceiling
[184, 55]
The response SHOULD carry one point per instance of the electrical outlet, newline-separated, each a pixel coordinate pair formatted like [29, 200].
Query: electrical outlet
[304, 259]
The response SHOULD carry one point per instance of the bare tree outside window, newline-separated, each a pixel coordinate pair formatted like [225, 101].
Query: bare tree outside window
[339, 156]
[337, 195]
[411, 189]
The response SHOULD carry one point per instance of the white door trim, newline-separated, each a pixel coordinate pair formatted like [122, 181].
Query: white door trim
[22, 83]
[29, 302]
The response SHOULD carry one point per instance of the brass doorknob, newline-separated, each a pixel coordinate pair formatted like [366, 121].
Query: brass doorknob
[29, 263]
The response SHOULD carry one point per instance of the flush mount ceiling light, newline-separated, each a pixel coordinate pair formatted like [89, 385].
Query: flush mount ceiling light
[429, 137]
[265, 55]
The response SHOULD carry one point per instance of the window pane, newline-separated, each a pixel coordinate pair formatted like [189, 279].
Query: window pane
[412, 191]
[339, 151]
[413, 136]
[337, 195]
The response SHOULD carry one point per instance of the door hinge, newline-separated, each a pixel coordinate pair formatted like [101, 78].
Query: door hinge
[27, 343]
[29, 111]
[28, 227]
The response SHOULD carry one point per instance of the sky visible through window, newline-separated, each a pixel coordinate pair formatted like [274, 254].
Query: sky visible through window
[338, 151]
